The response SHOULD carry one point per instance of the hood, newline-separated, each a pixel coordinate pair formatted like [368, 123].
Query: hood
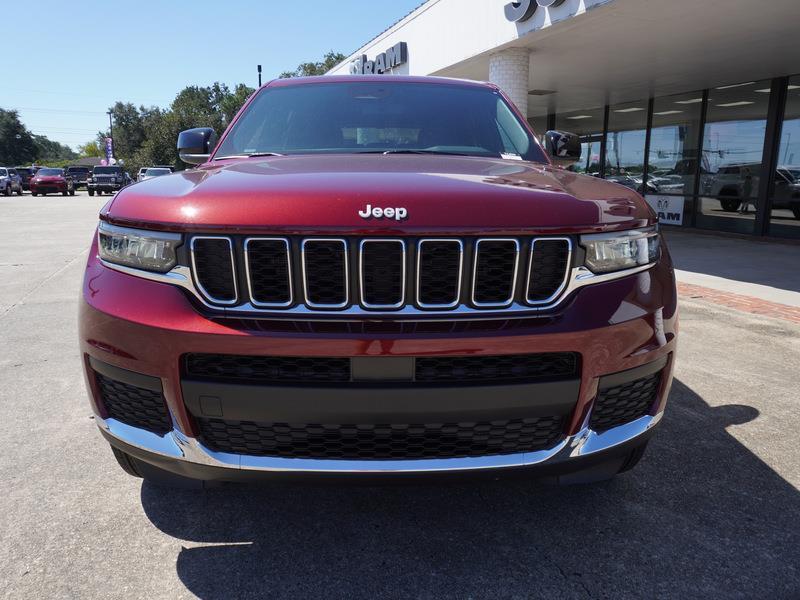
[332, 192]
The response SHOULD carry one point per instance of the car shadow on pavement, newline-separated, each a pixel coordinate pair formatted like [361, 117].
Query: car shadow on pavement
[701, 515]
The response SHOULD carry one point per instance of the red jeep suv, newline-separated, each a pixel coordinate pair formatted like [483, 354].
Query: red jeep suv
[377, 275]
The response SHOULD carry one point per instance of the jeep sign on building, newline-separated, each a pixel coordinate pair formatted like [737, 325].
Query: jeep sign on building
[665, 96]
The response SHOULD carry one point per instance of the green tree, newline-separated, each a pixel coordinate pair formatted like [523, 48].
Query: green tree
[91, 149]
[17, 145]
[48, 151]
[330, 60]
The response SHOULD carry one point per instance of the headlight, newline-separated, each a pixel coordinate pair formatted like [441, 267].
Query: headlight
[608, 252]
[149, 250]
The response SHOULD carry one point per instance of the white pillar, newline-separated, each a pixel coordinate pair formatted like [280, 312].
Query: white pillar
[510, 71]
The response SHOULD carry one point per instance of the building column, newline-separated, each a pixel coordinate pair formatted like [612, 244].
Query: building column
[510, 71]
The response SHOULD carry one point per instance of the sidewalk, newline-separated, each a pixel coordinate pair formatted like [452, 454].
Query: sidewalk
[754, 276]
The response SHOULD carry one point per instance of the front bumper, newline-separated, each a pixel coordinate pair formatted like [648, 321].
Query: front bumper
[104, 187]
[147, 327]
[48, 188]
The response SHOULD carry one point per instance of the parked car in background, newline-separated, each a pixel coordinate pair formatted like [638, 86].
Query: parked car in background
[141, 173]
[26, 173]
[154, 172]
[107, 179]
[10, 181]
[733, 183]
[79, 174]
[52, 181]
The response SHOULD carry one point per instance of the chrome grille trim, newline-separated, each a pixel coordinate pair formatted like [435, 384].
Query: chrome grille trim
[306, 299]
[457, 300]
[567, 270]
[510, 299]
[363, 300]
[253, 301]
[196, 280]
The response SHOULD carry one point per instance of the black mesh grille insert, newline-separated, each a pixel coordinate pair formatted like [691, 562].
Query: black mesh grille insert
[514, 368]
[267, 369]
[214, 269]
[135, 406]
[268, 267]
[382, 273]
[625, 403]
[380, 441]
[549, 264]
[506, 369]
[439, 266]
[326, 272]
[494, 271]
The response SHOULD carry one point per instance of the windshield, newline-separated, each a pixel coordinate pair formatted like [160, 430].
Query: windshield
[3, 173]
[107, 170]
[78, 170]
[380, 117]
[157, 172]
[49, 172]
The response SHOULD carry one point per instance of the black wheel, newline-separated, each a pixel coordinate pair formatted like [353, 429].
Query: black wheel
[796, 211]
[160, 477]
[19, 192]
[7, 191]
[34, 193]
[91, 192]
[72, 192]
[64, 193]
[730, 205]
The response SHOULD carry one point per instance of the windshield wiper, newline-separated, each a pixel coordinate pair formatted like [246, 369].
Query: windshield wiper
[443, 152]
[250, 155]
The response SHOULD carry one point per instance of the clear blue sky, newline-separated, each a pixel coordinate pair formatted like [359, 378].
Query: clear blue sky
[66, 63]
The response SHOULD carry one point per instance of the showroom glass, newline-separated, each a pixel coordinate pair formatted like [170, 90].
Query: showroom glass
[673, 157]
[785, 190]
[625, 139]
[588, 124]
[733, 145]
[377, 117]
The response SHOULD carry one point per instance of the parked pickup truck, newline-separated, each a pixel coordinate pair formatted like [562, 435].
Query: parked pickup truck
[106, 179]
[80, 175]
[377, 278]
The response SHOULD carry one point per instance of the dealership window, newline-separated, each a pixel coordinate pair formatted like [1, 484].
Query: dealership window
[588, 124]
[785, 189]
[625, 140]
[733, 145]
[673, 157]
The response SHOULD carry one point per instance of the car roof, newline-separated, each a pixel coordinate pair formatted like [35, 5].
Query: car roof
[383, 79]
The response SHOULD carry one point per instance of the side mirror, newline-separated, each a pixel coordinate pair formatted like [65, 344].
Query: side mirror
[195, 145]
[563, 148]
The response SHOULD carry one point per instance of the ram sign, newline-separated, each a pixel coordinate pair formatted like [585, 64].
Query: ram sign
[668, 208]
[383, 63]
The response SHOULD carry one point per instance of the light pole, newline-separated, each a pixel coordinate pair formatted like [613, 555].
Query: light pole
[110, 125]
[259, 75]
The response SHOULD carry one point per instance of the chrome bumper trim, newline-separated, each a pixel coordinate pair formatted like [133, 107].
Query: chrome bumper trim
[181, 276]
[180, 447]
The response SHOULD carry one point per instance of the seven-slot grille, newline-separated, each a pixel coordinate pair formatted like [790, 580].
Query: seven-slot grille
[330, 274]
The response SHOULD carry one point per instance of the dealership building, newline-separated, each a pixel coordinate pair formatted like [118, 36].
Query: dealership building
[695, 103]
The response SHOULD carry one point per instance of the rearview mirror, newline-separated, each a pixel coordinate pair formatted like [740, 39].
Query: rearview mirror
[563, 148]
[195, 145]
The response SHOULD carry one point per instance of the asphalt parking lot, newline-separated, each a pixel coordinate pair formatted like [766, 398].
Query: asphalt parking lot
[712, 510]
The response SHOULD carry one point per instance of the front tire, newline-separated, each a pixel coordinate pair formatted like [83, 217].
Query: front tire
[34, 193]
[7, 191]
[91, 192]
[796, 211]
[730, 205]
[19, 192]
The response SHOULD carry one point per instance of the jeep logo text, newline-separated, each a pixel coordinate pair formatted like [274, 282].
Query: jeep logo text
[398, 214]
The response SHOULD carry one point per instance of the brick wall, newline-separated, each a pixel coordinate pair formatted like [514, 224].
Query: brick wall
[509, 69]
